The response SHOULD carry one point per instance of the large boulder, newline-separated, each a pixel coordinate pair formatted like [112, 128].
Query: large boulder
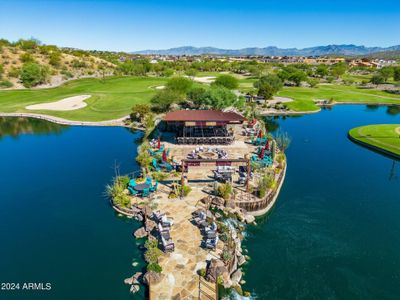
[134, 288]
[149, 225]
[152, 278]
[236, 276]
[140, 233]
[215, 269]
[249, 218]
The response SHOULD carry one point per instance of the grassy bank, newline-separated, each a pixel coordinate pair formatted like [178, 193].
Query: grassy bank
[382, 136]
[111, 98]
[304, 97]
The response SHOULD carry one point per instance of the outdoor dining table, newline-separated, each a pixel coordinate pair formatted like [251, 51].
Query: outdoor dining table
[140, 187]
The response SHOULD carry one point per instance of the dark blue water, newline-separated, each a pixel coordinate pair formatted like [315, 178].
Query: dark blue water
[335, 230]
[56, 226]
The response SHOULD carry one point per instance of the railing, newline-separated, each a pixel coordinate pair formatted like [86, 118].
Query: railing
[251, 203]
[212, 289]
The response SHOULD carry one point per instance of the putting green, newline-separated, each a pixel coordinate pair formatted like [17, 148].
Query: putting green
[382, 136]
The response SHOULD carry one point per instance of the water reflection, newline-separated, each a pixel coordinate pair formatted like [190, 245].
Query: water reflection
[393, 110]
[16, 126]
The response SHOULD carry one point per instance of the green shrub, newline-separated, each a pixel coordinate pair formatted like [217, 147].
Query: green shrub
[5, 84]
[227, 81]
[33, 74]
[116, 191]
[154, 267]
[225, 191]
[123, 180]
[202, 272]
[152, 254]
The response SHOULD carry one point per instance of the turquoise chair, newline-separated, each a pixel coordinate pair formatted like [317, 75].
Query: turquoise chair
[146, 193]
[132, 182]
[155, 165]
[154, 187]
[148, 180]
[132, 191]
[168, 167]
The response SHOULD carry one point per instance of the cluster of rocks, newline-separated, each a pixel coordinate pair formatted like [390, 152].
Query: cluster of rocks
[142, 214]
[134, 282]
[230, 272]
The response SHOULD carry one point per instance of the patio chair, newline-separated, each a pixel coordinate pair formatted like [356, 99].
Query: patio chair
[146, 193]
[148, 180]
[132, 182]
[154, 187]
[168, 167]
[155, 165]
[132, 191]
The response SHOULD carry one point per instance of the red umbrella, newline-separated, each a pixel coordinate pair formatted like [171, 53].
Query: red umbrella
[266, 145]
[260, 134]
[262, 153]
[158, 143]
[164, 155]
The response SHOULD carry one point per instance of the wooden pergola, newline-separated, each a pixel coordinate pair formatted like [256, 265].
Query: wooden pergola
[186, 163]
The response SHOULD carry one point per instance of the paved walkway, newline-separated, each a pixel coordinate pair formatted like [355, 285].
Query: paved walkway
[179, 275]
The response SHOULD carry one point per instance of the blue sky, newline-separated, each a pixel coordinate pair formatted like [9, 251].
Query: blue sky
[135, 25]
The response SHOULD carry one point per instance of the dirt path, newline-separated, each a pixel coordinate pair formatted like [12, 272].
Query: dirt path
[115, 122]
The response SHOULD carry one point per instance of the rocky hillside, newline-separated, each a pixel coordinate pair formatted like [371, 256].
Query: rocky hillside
[27, 63]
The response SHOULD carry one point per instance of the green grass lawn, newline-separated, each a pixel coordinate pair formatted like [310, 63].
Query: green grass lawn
[383, 136]
[111, 98]
[304, 97]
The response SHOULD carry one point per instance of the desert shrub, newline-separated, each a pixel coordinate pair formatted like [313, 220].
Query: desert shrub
[33, 74]
[154, 267]
[26, 57]
[55, 59]
[5, 84]
[14, 72]
[123, 180]
[225, 191]
[116, 191]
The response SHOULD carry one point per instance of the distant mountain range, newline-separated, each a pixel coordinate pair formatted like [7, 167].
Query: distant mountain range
[346, 50]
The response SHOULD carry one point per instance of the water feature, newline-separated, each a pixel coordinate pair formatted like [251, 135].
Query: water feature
[335, 230]
[56, 226]
[333, 234]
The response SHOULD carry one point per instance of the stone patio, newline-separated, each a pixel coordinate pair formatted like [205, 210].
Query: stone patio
[180, 279]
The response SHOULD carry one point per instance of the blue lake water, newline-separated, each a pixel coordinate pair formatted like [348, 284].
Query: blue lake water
[335, 230]
[56, 226]
[333, 234]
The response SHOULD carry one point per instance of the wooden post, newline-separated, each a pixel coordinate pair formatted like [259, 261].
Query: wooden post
[183, 177]
[248, 176]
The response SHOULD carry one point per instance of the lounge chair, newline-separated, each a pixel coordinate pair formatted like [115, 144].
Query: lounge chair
[212, 243]
[166, 221]
[168, 245]
[132, 191]
[157, 216]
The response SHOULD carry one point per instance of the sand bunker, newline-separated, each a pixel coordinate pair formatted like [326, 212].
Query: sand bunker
[70, 103]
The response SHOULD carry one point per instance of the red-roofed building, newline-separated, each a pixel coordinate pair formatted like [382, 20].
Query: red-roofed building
[202, 126]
